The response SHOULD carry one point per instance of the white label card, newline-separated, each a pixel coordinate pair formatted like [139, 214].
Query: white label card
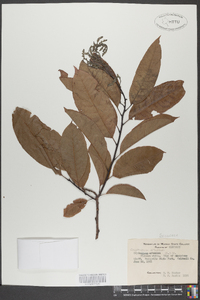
[162, 261]
[47, 254]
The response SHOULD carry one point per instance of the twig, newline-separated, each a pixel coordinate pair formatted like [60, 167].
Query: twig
[97, 218]
[83, 190]
[109, 169]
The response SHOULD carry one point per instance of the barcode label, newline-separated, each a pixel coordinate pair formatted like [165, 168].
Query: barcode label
[93, 279]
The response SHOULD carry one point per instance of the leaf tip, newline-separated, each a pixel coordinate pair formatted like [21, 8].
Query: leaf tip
[143, 197]
[63, 74]
[176, 118]
[76, 70]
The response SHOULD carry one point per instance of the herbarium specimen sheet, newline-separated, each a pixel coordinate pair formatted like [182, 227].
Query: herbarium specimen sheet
[137, 174]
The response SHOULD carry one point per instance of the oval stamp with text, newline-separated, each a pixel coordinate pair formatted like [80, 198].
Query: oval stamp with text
[171, 21]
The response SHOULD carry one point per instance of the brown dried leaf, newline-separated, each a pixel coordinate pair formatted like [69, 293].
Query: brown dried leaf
[91, 131]
[97, 62]
[75, 158]
[87, 172]
[140, 160]
[161, 98]
[37, 139]
[74, 208]
[146, 73]
[144, 128]
[106, 82]
[93, 102]
[126, 189]
[67, 81]
[101, 168]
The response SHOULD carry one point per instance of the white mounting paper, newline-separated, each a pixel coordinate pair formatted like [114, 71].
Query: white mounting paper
[37, 41]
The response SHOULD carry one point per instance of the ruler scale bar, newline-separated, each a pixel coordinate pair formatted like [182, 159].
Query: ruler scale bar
[149, 290]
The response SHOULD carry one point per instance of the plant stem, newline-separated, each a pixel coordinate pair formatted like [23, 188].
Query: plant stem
[97, 218]
[109, 169]
[84, 190]
[117, 146]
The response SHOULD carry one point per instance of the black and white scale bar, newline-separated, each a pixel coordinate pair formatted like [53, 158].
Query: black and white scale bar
[149, 290]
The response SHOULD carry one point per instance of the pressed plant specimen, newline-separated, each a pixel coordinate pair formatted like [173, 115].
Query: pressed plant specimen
[102, 113]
